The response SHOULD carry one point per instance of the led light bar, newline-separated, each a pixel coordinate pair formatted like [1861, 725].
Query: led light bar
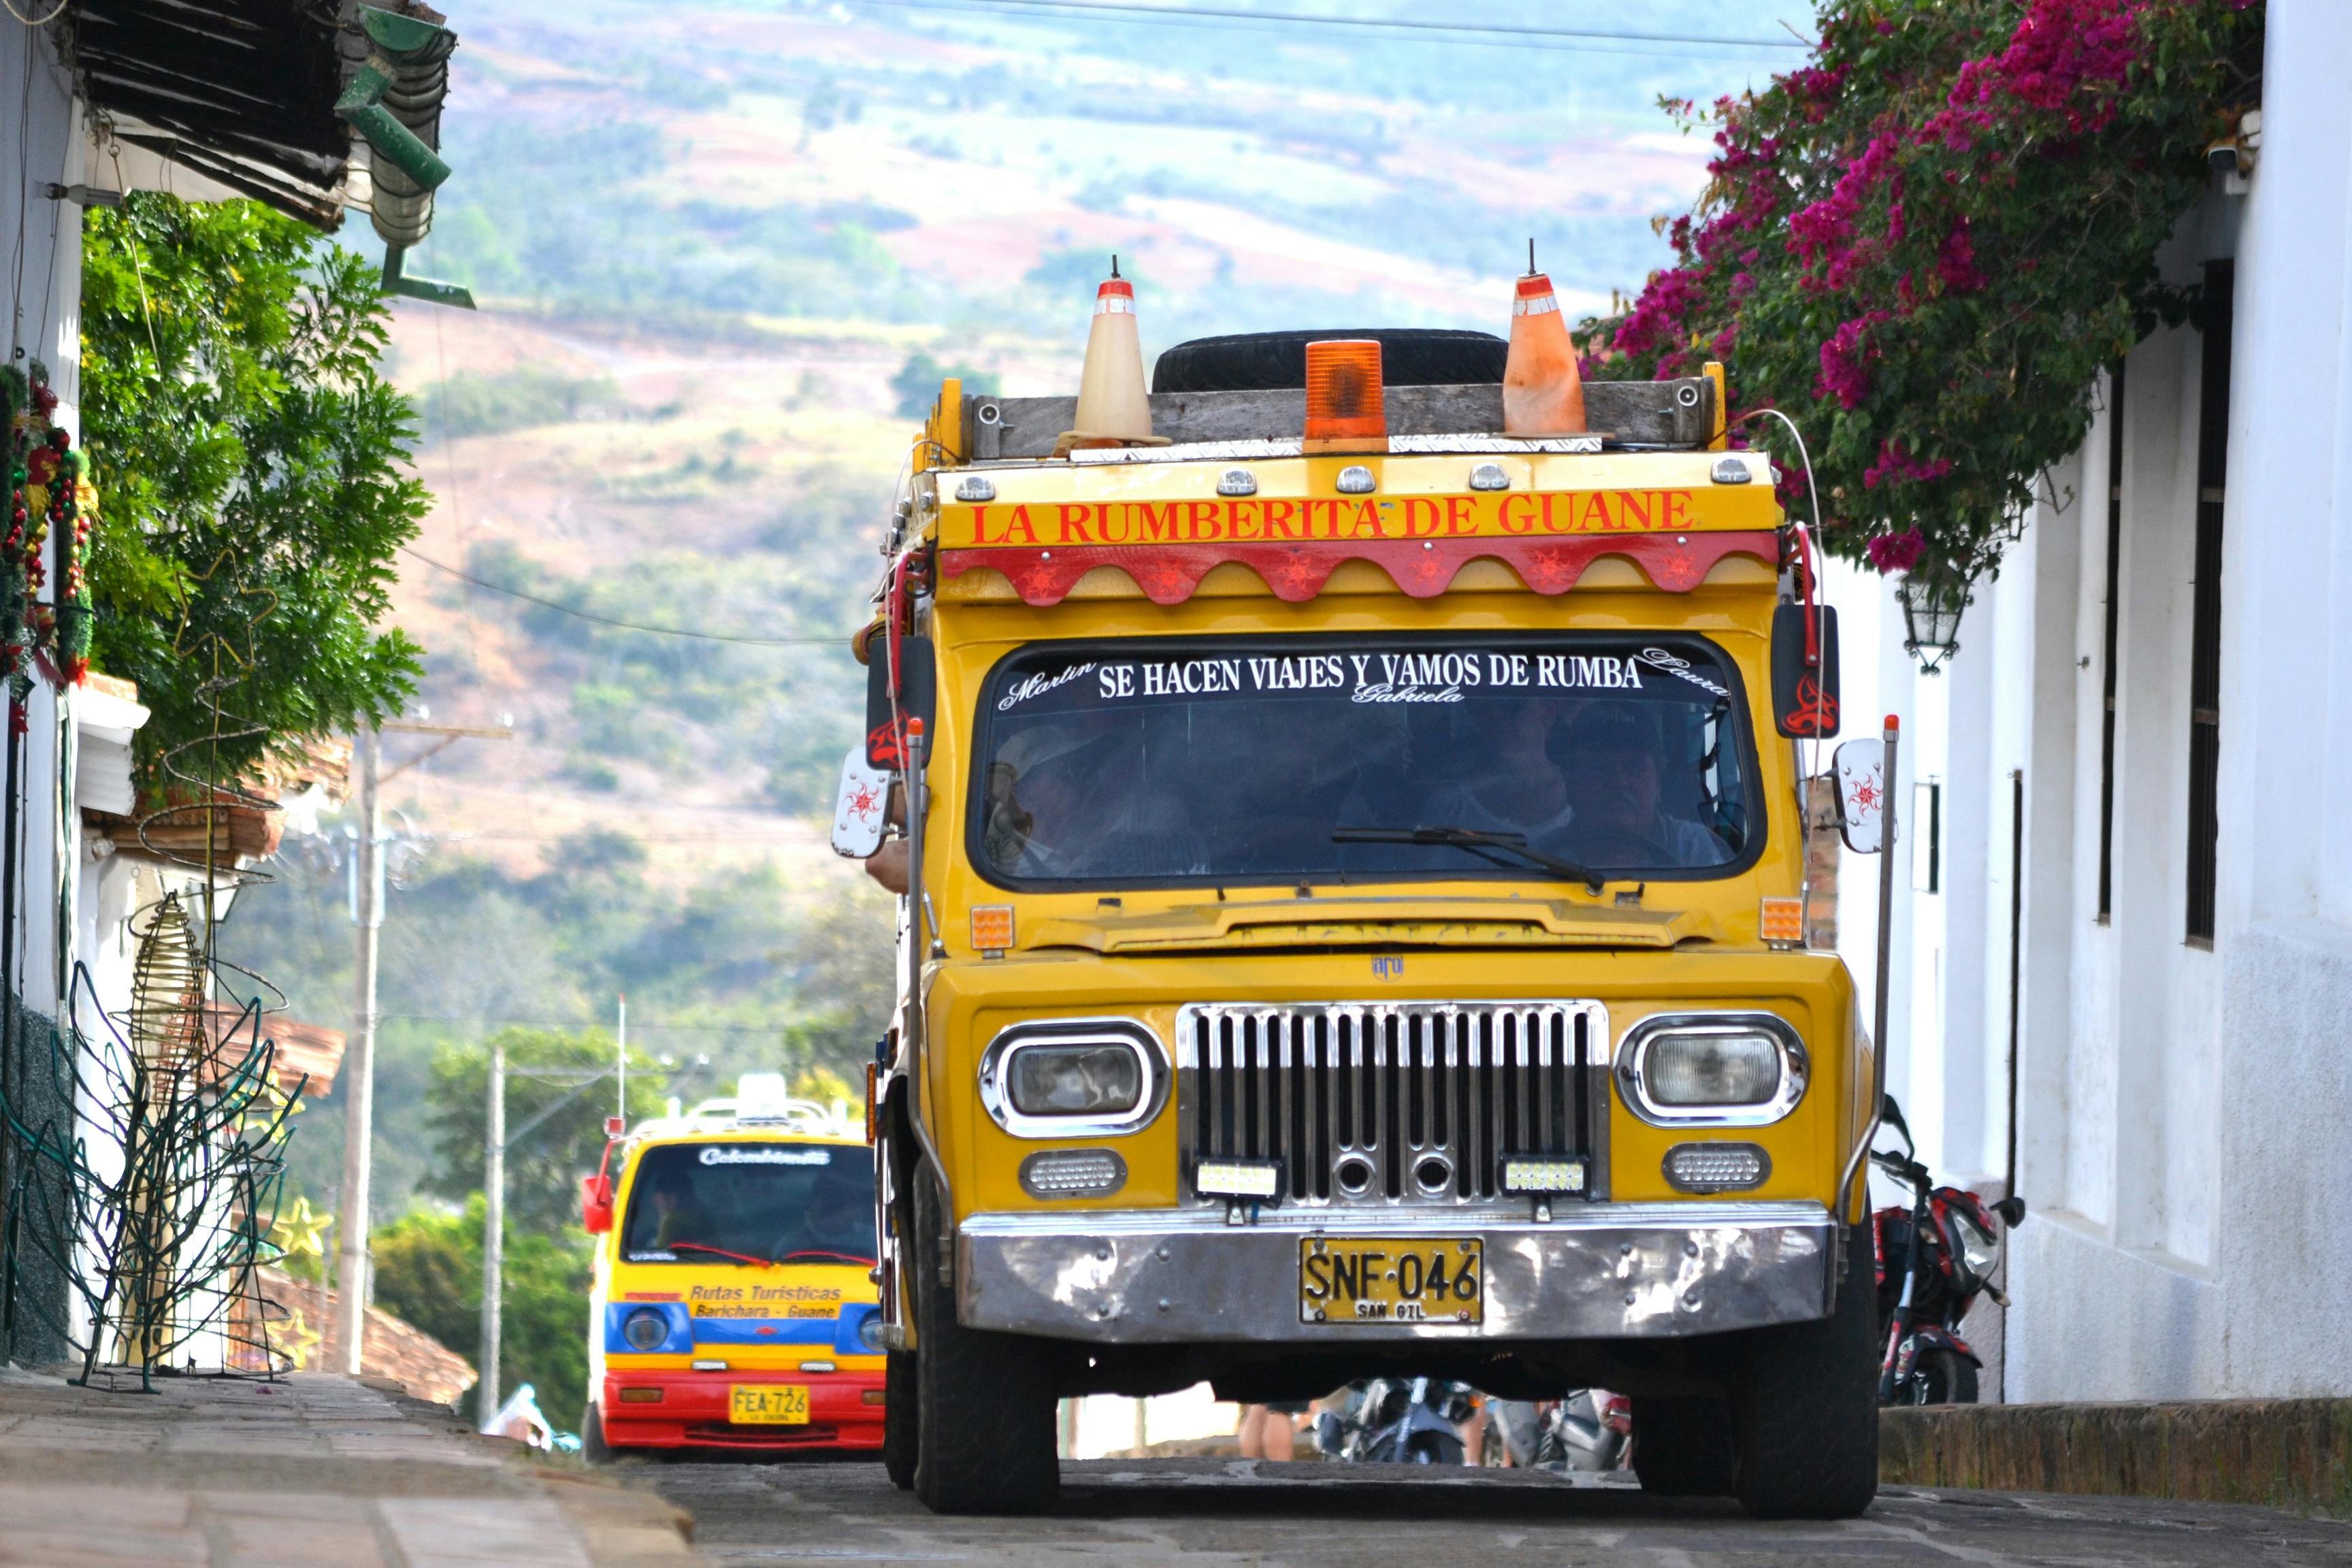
[1073, 1174]
[1717, 1167]
[1237, 1178]
[1543, 1173]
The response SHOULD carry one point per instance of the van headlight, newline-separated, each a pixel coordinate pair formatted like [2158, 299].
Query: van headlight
[644, 1328]
[1720, 1069]
[1080, 1078]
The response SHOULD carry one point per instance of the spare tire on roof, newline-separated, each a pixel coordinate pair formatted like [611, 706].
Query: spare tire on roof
[1276, 361]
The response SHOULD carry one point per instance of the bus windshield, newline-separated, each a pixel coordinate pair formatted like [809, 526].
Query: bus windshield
[755, 1202]
[1339, 758]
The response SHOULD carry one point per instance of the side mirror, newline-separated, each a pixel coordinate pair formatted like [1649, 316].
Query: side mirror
[596, 1204]
[2011, 1210]
[859, 806]
[1804, 677]
[1861, 770]
[902, 668]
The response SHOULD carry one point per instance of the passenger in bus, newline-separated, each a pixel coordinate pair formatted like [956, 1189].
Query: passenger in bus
[839, 1220]
[1617, 813]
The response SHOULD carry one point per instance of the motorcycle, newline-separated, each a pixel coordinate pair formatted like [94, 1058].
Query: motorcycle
[1590, 1429]
[1934, 1257]
[1396, 1421]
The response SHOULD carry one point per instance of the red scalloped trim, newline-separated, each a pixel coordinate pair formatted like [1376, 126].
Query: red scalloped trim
[1168, 573]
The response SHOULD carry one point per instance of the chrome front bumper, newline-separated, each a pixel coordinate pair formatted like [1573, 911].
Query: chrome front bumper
[1607, 1271]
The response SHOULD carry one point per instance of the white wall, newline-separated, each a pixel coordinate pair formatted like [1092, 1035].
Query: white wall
[2181, 1108]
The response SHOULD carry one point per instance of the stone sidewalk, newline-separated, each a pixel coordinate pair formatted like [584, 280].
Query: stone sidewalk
[310, 1471]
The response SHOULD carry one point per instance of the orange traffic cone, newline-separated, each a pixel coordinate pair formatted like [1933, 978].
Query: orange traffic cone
[1114, 410]
[1542, 393]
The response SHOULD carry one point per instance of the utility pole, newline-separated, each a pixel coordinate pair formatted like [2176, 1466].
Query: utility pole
[359, 1071]
[494, 1195]
[358, 1063]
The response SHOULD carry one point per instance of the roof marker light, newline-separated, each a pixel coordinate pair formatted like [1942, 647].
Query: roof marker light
[1344, 408]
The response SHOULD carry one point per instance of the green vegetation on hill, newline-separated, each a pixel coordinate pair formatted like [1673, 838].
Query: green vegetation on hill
[728, 967]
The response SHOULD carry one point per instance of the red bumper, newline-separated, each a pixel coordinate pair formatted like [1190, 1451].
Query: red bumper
[692, 1411]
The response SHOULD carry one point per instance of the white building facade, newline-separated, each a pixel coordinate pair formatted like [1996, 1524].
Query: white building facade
[2124, 916]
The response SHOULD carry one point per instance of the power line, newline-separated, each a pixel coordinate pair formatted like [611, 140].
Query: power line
[1496, 35]
[625, 625]
[762, 1030]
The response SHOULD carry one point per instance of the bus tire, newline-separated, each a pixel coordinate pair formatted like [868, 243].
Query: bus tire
[592, 1446]
[984, 1430]
[1682, 1447]
[900, 1408]
[1805, 1409]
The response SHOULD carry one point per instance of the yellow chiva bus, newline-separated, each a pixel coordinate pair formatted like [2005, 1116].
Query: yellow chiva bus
[734, 1305]
[1352, 912]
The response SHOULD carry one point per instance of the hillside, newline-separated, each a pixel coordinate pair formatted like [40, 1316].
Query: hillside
[708, 240]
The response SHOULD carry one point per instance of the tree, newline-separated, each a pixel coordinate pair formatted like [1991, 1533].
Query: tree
[543, 1167]
[250, 460]
[429, 1273]
[1924, 245]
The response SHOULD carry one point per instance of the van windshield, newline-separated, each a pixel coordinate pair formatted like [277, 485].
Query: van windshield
[1333, 759]
[768, 1203]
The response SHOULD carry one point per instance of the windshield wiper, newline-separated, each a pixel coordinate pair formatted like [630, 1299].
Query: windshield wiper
[1479, 842]
[719, 1251]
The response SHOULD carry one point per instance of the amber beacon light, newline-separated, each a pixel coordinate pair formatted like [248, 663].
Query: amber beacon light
[1344, 412]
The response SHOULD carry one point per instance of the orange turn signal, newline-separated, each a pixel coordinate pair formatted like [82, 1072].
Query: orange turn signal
[992, 927]
[1783, 920]
[1343, 396]
[641, 1396]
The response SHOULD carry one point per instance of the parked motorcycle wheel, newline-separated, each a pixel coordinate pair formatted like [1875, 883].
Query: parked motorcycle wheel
[1941, 1377]
[1432, 1448]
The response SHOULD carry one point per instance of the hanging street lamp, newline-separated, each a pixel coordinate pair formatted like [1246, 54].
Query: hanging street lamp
[1932, 600]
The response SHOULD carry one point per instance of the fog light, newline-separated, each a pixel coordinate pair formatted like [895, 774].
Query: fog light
[1237, 1178]
[1717, 1167]
[641, 1396]
[1542, 1174]
[1073, 1174]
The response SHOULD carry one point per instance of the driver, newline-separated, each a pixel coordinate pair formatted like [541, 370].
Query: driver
[682, 1218]
[1619, 816]
[1060, 806]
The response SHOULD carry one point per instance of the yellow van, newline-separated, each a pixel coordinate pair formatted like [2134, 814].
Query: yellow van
[734, 1304]
[1354, 922]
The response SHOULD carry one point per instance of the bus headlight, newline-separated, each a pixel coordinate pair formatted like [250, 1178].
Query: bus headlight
[1723, 1069]
[1073, 1079]
[869, 1334]
[644, 1328]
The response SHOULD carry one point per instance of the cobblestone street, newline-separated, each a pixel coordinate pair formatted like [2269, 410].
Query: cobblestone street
[1205, 1513]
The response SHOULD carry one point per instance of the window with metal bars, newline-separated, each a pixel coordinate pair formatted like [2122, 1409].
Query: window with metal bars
[2205, 606]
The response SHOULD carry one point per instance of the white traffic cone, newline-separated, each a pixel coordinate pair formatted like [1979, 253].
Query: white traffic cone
[1114, 410]
[1542, 393]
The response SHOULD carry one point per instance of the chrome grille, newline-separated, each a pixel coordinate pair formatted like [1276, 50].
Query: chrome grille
[1370, 1102]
